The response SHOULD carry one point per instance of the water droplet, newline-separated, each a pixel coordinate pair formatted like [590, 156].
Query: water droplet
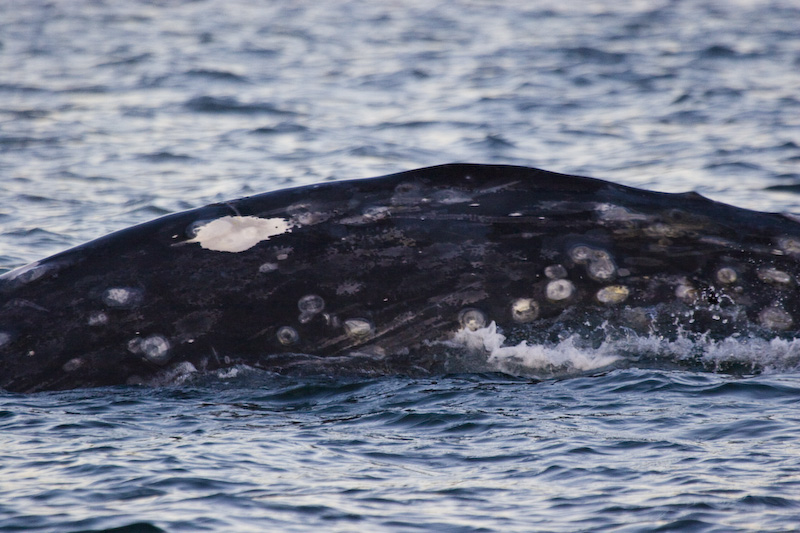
[524, 310]
[555, 272]
[559, 289]
[358, 328]
[726, 275]
[472, 319]
[287, 336]
[613, 294]
[775, 318]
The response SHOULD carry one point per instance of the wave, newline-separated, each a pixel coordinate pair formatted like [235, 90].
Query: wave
[576, 354]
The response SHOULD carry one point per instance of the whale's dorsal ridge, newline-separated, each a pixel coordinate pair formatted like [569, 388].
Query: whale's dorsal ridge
[378, 275]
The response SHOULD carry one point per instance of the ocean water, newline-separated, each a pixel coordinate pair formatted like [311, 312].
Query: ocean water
[113, 113]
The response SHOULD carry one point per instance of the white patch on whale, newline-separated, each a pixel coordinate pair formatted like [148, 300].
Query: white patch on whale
[266, 268]
[123, 297]
[97, 318]
[237, 234]
[358, 328]
[154, 348]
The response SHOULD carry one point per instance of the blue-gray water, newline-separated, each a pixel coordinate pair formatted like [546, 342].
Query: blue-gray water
[112, 113]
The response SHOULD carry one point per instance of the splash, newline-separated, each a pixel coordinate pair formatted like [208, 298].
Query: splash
[566, 357]
[575, 354]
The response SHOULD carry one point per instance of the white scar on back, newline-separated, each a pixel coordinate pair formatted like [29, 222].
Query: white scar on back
[237, 234]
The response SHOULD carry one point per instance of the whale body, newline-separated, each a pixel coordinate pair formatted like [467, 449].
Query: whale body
[381, 275]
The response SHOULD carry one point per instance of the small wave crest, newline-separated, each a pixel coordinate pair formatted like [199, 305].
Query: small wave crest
[575, 354]
[485, 350]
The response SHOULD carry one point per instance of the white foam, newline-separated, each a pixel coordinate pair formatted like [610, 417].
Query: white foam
[237, 234]
[564, 357]
[174, 375]
[758, 355]
[574, 354]
[227, 373]
[525, 359]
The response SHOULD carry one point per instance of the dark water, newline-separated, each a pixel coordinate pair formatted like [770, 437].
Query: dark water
[112, 113]
[625, 451]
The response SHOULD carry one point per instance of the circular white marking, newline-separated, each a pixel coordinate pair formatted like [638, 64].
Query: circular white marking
[123, 297]
[287, 336]
[613, 294]
[775, 318]
[154, 348]
[472, 319]
[524, 310]
[559, 289]
[580, 254]
[555, 272]
[773, 275]
[602, 268]
[726, 275]
[98, 318]
[311, 304]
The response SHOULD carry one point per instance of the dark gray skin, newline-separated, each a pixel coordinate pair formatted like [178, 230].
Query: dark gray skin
[364, 274]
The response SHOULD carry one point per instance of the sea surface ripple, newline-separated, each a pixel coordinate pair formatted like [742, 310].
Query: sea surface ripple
[626, 451]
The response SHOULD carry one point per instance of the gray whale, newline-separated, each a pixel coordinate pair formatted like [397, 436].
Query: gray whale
[375, 274]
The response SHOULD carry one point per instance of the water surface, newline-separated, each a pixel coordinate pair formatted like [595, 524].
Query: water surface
[113, 113]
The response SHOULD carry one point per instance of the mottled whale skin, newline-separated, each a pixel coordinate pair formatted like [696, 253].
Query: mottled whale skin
[380, 273]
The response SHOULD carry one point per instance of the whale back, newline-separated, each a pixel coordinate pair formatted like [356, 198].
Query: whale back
[381, 273]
